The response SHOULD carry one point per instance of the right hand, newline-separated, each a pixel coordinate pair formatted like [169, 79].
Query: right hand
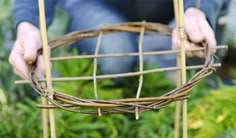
[198, 30]
[25, 49]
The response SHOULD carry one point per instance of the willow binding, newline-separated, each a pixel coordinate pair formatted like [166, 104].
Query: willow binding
[130, 105]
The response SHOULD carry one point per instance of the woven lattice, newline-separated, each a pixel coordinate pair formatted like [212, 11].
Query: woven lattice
[134, 104]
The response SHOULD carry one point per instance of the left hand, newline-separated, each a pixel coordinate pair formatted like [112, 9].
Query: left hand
[197, 30]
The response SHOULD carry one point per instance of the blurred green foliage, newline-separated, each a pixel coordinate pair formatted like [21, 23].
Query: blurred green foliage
[214, 115]
[211, 112]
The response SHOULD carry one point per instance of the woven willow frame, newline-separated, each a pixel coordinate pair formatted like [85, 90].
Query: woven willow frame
[134, 104]
[131, 105]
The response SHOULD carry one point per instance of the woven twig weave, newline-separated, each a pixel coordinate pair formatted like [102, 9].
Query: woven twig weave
[129, 105]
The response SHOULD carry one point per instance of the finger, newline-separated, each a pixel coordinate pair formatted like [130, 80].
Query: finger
[208, 34]
[188, 48]
[20, 74]
[190, 52]
[31, 47]
[40, 69]
[192, 30]
[17, 61]
[199, 53]
[20, 67]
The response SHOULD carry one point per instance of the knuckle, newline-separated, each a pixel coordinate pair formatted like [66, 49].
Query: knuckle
[191, 30]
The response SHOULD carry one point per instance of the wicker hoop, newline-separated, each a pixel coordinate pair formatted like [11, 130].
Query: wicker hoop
[131, 105]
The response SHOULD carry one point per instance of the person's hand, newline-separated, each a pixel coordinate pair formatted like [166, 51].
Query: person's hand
[25, 50]
[197, 30]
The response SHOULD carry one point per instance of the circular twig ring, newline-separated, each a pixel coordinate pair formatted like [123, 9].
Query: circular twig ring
[128, 105]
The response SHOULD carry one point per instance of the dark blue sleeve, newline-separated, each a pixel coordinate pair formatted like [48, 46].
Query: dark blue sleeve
[27, 10]
[211, 8]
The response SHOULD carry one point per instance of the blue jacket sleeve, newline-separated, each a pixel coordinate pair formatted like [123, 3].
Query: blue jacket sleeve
[211, 8]
[27, 10]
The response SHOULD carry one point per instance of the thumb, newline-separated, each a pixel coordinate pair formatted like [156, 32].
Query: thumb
[30, 50]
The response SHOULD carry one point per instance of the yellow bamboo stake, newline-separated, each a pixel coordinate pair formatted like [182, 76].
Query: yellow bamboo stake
[182, 38]
[47, 63]
[178, 81]
[45, 119]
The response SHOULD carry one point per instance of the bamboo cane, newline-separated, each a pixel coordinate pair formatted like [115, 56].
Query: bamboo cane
[45, 119]
[181, 33]
[178, 81]
[47, 62]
